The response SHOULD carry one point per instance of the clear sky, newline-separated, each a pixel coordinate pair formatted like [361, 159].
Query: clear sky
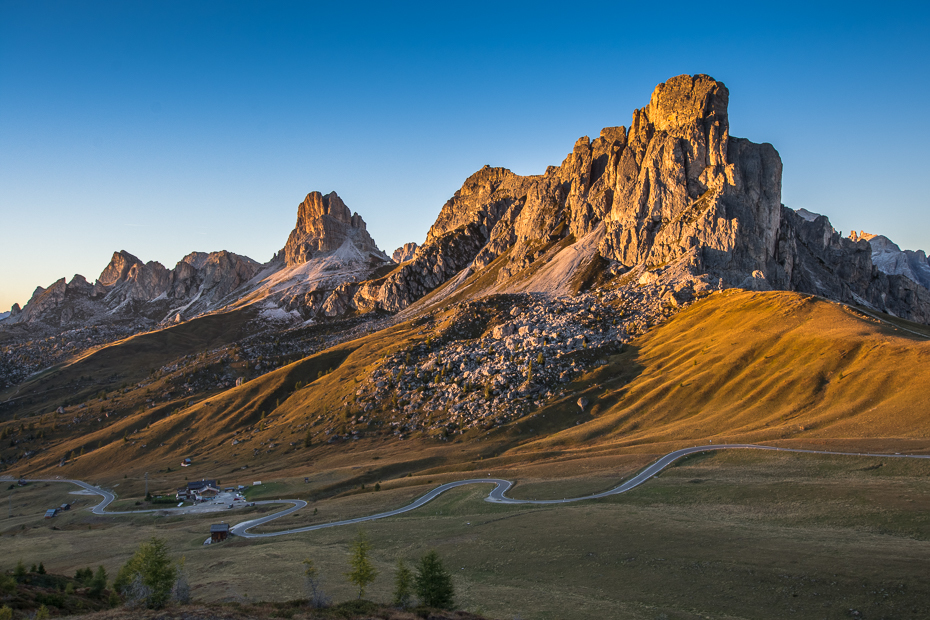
[167, 127]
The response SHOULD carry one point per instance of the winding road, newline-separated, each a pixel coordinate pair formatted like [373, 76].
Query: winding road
[497, 494]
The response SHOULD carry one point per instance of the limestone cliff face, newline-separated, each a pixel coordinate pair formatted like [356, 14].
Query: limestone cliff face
[404, 253]
[328, 248]
[673, 185]
[199, 278]
[128, 278]
[210, 277]
[681, 182]
[815, 259]
[674, 194]
[892, 260]
[672, 199]
[324, 224]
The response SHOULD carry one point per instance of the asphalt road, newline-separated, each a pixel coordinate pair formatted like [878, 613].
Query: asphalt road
[497, 495]
[109, 498]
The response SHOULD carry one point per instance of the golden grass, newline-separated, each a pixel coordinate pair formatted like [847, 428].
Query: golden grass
[736, 534]
[753, 367]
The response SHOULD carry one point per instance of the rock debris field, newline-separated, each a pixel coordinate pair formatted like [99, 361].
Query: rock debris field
[500, 358]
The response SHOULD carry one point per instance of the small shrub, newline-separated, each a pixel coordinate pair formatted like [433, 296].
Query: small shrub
[7, 584]
[98, 583]
[313, 584]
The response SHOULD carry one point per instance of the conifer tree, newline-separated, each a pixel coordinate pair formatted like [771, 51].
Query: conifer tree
[363, 571]
[433, 582]
[403, 586]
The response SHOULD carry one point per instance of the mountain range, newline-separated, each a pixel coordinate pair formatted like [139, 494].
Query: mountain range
[673, 199]
[522, 285]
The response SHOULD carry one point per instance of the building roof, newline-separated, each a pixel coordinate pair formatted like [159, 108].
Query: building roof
[51, 512]
[219, 527]
[199, 484]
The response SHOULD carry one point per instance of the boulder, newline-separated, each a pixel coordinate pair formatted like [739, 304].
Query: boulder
[503, 331]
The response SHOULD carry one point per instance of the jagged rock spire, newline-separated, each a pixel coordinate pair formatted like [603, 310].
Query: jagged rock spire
[324, 224]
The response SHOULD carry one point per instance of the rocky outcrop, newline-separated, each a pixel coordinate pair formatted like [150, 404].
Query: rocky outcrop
[433, 265]
[195, 284]
[129, 288]
[890, 259]
[673, 186]
[404, 253]
[672, 201]
[680, 182]
[678, 198]
[127, 278]
[324, 224]
[209, 278]
[813, 258]
[327, 252]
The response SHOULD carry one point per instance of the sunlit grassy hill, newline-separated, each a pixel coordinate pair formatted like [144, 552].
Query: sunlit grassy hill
[743, 366]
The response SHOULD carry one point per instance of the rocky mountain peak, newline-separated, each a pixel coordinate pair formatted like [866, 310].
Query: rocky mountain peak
[673, 199]
[686, 100]
[197, 259]
[119, 268]
[324, 224]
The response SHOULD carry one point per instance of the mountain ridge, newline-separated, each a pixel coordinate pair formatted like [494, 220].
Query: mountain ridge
[672, 205]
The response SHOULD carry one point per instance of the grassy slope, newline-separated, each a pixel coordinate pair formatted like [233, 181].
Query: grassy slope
[729, 535]
[737, 534]
[738, 366]
[744, 366]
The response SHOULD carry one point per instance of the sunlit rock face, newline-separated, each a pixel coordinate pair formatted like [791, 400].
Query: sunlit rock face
[404, 253]
[673, 194]
[672, 202]
[324, 224]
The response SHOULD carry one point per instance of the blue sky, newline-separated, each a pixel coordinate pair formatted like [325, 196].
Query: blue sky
[163, 128]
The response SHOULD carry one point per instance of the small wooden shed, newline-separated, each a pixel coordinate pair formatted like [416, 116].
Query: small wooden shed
[219, 532]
